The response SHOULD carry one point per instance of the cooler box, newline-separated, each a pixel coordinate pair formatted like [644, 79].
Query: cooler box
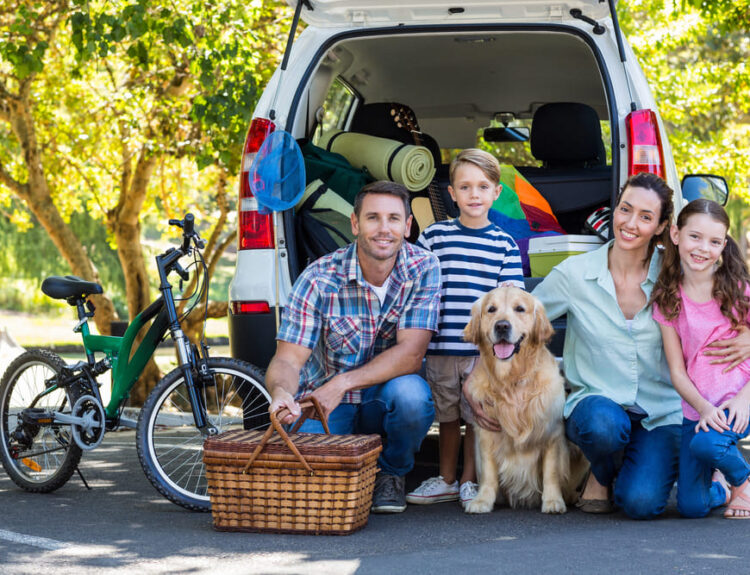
[548, 251]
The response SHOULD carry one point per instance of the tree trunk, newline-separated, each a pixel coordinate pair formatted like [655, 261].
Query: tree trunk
[127, 229]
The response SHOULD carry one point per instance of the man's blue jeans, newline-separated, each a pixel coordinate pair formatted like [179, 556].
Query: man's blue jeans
[700, 454]
[605, 432]
[400, 410]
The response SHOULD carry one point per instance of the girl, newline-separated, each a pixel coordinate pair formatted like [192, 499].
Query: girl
[702, 295]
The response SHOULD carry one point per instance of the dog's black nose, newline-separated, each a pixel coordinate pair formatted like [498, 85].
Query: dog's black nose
[502, 329]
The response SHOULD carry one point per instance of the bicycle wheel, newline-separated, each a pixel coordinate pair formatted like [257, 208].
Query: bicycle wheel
[38, 458]
[170, 448]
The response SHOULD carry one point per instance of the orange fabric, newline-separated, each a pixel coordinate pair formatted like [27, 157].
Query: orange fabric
[529, 195]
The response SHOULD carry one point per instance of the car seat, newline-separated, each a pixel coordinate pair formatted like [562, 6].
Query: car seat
[574, 178]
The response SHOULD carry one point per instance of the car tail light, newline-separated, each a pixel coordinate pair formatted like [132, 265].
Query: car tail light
[646, 154]
[243, 307]
[255, 229]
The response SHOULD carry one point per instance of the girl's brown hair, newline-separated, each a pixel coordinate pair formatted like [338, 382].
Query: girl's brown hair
[730, 278]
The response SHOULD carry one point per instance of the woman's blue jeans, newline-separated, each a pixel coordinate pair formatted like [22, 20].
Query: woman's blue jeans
[700, 454]
[644, 462]
[400, 410]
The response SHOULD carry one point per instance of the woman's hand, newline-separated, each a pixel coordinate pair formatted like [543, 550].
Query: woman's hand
[480, 417]
[732, 351]
[713, 417]
[738, 412]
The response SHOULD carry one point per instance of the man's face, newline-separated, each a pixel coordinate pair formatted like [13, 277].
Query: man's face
[381, 226]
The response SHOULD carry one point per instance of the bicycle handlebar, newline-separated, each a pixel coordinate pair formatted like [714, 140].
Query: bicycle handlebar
[188, 231]
[168, 261]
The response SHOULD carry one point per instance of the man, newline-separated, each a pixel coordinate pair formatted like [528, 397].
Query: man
[354, 333]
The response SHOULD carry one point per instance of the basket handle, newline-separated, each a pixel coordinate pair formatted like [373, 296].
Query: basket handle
[276, 425]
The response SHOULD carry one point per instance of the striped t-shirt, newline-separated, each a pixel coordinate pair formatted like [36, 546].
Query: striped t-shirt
[472, 262]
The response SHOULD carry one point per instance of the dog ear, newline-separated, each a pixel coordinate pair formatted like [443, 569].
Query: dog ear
[542, 331]
[472, 331]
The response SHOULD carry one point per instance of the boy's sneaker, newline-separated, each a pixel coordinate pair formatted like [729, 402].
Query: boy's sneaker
[388, 494]
[434, 490]
[468, 492]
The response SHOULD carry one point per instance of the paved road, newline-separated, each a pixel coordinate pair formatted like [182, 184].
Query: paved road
[124, 525]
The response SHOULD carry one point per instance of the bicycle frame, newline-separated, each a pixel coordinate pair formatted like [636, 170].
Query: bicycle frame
[127, 369]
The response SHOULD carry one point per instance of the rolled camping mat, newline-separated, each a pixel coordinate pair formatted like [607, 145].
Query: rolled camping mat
[411, 166]
[328, 199]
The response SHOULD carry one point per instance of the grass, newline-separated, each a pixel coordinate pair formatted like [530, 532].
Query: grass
[34, 330]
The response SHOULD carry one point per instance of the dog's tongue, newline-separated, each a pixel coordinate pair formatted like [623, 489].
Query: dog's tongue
[504, 350]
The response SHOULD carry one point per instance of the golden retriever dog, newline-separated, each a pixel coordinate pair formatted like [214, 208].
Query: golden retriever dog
[518, 383]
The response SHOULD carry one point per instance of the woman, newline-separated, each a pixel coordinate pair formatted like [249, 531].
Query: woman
[622, 411]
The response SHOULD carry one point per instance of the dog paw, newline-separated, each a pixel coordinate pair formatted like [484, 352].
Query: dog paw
[554, 506]
[478, 505]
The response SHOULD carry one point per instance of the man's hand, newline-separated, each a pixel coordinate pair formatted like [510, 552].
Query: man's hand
[732, 351]
[480, 417]
[282, 398]
[330, 394]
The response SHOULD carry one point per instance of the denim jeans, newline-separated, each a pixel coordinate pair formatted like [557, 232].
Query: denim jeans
[644, 462]
[400, 410]
[700, 454]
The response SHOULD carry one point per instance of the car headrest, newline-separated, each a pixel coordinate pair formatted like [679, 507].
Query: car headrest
[567, 134]
[393, 121]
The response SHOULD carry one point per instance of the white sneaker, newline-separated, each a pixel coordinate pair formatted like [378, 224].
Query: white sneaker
[433, 490]
[468, 492]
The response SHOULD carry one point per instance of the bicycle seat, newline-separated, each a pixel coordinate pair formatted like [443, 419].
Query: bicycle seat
[68, 287]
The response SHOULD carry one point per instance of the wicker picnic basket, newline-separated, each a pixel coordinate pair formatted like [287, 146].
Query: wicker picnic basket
[291, 483]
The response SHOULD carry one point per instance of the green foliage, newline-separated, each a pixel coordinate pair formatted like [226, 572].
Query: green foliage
[732, 15]
[20, 46]
[29, 256]
[208, 45]
[694, 55]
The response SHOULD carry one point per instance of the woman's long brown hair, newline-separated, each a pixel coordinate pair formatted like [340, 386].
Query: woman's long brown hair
[730, 278]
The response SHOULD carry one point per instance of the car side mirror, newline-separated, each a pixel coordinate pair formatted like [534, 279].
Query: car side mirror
[706, 186]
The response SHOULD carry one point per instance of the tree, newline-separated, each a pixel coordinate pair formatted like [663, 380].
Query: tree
[101, 96]
[694, 54]
[27, 30]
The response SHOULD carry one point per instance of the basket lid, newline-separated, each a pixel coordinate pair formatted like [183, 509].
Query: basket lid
[240, 441]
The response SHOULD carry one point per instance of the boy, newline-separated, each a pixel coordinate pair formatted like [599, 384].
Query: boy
[475, 257]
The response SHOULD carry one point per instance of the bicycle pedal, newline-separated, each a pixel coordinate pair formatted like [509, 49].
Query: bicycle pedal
[37, 416]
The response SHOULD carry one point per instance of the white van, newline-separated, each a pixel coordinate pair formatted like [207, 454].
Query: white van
[550, 87]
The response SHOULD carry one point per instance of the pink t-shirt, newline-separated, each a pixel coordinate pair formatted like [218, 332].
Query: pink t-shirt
[698, 325]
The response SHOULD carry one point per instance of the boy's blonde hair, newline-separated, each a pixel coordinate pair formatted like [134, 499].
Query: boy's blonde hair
[483, 160]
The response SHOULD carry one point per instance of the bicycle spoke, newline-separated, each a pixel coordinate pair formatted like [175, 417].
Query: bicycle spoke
[173, 457]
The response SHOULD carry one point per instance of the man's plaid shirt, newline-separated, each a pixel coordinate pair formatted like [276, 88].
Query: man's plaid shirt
[333, 312]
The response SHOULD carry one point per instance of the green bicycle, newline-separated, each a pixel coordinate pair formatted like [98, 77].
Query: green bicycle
[50, 412]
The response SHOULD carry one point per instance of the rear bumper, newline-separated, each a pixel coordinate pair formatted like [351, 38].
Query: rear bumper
[252, 337]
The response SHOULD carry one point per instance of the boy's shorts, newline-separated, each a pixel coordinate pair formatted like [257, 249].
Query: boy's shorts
[446, 374]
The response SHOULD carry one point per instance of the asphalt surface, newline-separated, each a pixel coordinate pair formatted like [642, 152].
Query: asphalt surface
[123, 524]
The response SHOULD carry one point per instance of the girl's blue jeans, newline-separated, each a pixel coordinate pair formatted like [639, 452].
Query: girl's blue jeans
[400, 410]
[700, 454]
[618, 446]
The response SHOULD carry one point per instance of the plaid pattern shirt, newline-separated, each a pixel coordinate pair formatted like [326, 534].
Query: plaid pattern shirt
[333, 312]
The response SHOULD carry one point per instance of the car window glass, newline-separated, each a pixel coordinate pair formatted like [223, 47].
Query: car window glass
[336, 109]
